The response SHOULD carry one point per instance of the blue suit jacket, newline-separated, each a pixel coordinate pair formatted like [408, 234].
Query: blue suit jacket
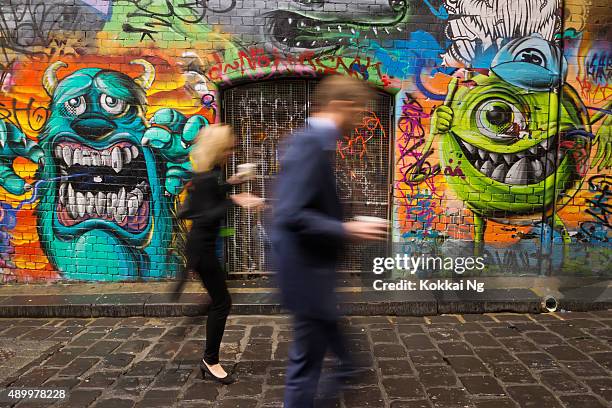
[307, 232]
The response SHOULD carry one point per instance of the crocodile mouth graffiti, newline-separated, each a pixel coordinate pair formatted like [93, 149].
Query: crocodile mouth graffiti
[109, 184]
[529, 166]
[297, 31]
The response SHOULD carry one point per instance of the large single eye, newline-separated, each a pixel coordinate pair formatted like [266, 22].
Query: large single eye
[111, 104]
[75, 106]
[500, 120]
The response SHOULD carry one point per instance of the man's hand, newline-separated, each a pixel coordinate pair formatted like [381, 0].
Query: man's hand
[371, 231]
[247, 200]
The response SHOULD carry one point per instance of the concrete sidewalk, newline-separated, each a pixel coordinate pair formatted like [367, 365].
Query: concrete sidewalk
[450, 361]
[357, 297]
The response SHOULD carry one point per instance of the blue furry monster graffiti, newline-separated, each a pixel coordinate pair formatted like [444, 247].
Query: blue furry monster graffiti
[108, 178]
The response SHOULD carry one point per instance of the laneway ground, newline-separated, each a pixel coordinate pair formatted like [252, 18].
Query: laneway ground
[480, 361]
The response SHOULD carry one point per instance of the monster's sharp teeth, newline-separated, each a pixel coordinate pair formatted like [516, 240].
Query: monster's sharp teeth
[494, 157]
[58, 151]
[106, 158]
[101, 204]
[509, 159]
[72, 211]
[116, 160]
[132, 205]
[77, 157]
[62, 194]
[551, 156]
[469, 147]
[120, 213]
[127, 155]
[96, 159]
[482, 154]
[538, 169]
[134, 150]
[67, 154]
[375, 30]
[71, 195]
[138, 193]
[91, 203]
[487, 168]
[111, 204]
[534, 150]
[81, 204]
[86, 161]
[519, 173]
[499, 173]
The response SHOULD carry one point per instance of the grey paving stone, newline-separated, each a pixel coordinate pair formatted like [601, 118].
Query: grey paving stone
[482, 385]
[395, 367]
[437, 376]
[364, 397]
[449, 398]
[78, 366]
[533, 396]
[562, 382]
[406, 387]
[582, 401]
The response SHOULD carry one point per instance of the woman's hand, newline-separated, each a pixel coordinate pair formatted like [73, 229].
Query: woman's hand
[247, 200]
[239, 178]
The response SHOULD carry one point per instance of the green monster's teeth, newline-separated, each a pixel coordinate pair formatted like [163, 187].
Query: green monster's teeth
[538, 168]
[499, 174]
[487, 168]
[519, 173]
[469, 147]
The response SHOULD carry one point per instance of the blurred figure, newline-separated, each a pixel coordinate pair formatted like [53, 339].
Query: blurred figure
[207, 204]
[308, 234]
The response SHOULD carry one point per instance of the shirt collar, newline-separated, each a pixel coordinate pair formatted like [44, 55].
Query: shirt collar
[319, 122]
[326, 124]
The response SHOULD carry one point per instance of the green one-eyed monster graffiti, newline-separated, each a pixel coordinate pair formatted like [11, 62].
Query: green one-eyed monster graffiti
[108, 178]
[521, 146]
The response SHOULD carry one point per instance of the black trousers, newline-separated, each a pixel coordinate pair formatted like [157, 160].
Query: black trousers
[312, 339]
[213, 278]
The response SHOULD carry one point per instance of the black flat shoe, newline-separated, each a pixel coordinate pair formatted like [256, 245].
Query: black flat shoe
[223, 380]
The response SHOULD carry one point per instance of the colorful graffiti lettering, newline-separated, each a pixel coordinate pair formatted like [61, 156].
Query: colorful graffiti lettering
[257, 64]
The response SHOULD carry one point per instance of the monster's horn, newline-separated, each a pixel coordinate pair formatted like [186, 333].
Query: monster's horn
[50, 78]
[148, 76]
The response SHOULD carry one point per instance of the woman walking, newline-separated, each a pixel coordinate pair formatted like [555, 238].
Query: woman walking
[206, 204]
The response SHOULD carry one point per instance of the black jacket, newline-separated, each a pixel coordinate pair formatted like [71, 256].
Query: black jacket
[307, 232]
[207, 204]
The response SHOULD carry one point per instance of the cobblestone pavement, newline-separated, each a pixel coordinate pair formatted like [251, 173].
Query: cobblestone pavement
[481, 361]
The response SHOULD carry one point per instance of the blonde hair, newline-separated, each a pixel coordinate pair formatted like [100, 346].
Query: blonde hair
[211, 144]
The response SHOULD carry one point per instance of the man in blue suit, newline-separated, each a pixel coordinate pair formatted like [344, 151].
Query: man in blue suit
[308, 233]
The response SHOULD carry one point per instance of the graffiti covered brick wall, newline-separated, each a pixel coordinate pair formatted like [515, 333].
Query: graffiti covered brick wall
[501, 143]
